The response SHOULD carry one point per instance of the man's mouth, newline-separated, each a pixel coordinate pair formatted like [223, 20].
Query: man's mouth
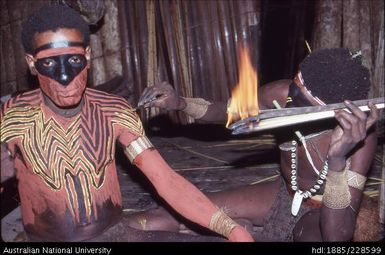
[68, 94]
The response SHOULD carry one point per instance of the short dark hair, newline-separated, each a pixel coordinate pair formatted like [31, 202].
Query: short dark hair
[52, 18]
[336, 74]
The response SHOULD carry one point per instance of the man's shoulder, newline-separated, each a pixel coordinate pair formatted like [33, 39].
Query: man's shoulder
[278, 84]
[106, 99]
[276, 90]
[23, 99]
[117, 107]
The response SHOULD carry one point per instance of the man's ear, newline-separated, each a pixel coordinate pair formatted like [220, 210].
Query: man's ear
[88, 56]
[31, 63]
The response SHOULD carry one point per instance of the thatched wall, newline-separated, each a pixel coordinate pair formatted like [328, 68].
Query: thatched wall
[193, 43]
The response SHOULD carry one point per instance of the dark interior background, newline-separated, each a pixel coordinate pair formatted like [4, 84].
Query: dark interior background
[193, 45]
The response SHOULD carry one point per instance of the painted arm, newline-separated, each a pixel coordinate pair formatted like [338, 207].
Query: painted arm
[164, 96]
[338, 215]
[182, 195]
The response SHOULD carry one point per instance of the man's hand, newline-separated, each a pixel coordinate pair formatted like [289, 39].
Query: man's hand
[161, 95]
[352, 129]
[240, 234]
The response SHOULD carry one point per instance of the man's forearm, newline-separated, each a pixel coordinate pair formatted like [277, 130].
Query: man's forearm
[187, 199]
[337, 225]
[200, 109]
[191, 203]
[177, 191]
[339, 200]
[184, 197]
[216, 113]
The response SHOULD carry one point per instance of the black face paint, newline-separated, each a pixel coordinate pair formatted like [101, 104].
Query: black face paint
[298, 99]
[62, 68]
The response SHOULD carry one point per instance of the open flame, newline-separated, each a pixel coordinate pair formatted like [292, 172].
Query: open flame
[244, 97]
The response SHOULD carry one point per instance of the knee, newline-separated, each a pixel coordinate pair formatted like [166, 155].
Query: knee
[307, 228]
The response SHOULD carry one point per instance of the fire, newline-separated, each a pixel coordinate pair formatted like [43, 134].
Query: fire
[244, 97]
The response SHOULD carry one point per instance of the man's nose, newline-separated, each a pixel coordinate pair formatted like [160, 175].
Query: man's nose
[64, 77]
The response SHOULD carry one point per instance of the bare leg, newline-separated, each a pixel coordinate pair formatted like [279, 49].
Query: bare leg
[367, 226]
[154, 219]
[121, 232]
[307, 228]
[248, 205]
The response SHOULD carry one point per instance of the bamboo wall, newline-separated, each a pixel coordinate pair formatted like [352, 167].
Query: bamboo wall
[190, 44]
[353, 24]
[14, 75]
[193, 43]
[106, 46]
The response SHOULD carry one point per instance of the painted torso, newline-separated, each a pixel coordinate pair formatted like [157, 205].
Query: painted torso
[65, 167]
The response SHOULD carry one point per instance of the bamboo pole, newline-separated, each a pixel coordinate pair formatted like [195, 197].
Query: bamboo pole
[382, 190]
[4, 19]
[151, 52]
[134, 14]
[327, 24]
[378, 79]
[21, 69]
[111, 42]
[184, 69]
[217, 62]
[98, 70]
[9, 57]
[127, 69]
[351, 24]
[366, 36]
[192, 33]
[228, 44]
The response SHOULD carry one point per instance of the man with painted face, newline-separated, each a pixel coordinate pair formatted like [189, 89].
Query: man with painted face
[62, 139]
[323, 168]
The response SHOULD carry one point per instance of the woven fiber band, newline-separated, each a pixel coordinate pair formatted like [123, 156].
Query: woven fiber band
[356, 180]
[222, 224]
[336, 194]
[196, 107]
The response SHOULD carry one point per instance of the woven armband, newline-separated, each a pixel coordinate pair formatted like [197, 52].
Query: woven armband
[336, 194]
[196, 107]
[356, 180]
[136, 147]
[222, 224]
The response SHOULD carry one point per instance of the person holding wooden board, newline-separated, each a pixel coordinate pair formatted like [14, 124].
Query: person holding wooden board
[324, 165]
